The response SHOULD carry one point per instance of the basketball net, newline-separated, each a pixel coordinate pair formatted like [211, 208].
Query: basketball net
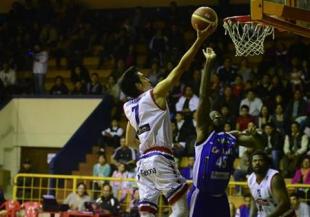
[247, 36]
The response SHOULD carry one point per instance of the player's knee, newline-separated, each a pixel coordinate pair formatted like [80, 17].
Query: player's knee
[179, 208]
[146, 214]
[180, 212]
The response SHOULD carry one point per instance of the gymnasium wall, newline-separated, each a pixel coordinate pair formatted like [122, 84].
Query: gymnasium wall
[39, 123]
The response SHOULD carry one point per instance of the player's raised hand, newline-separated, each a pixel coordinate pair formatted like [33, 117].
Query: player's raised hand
[203, 34]
[252, 130]
[209, 54]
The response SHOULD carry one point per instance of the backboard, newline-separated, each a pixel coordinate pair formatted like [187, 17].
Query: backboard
[286, 15]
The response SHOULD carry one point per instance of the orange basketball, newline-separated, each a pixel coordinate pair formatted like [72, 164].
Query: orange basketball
[203, 17]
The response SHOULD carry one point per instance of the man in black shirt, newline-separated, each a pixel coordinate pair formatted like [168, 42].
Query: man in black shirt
[125, 154]
[107, 202]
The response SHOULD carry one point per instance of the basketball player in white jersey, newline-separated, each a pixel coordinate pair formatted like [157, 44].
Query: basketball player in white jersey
[270, 197]
[148, 118]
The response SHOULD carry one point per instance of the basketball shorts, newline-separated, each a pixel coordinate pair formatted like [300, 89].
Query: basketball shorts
[157, 173]
[205, 205]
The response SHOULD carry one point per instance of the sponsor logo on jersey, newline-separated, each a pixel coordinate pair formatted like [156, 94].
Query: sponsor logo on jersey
[216, 150]
[148, 172]
[220, 175]
[144, 128]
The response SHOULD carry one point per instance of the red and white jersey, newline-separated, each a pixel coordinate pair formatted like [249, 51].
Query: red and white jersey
[262, 193]
[151, 123]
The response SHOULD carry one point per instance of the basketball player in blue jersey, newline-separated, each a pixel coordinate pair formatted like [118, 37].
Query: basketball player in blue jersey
[214, 153]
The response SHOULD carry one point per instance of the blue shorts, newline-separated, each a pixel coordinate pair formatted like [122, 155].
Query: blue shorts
[205, 205]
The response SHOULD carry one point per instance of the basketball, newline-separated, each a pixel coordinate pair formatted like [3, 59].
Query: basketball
[203, 17]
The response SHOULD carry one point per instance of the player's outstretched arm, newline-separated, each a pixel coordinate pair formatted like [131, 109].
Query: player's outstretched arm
[204, 106]
[250, 138]
[280, 195]
[161, 90]
[131, 139]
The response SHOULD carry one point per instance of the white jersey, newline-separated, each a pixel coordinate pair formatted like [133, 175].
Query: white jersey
[262, 193]
[151, 123]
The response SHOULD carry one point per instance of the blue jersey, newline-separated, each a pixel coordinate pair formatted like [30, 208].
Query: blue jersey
[214, 162]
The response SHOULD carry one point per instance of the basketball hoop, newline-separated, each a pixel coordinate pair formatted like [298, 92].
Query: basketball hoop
[248, 36]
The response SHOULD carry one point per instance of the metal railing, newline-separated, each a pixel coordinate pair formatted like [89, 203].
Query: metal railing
[32, 187]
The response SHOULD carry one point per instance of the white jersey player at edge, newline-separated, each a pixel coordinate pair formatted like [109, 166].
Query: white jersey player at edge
[148, 118]
[270, 197]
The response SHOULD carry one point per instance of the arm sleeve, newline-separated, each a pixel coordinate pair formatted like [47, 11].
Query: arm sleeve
[286, 147]
[304, 145]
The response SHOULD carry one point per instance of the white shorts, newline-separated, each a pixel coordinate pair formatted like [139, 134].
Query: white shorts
[158, 173]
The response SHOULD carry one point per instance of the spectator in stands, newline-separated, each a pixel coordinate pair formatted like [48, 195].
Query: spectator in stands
[195, 81]
[8, 77]
[227, 99]
[174, 96]
[227, 116]
[264, 117]
[78, 89]
[297, 106]
[276, 88]
[295, 145]
[178, 147]
[301, 209]
[274, 144]
[302, 175]
[154, 73]
[254, 103]
[262, 88]
[244, 119]
[121, 188]
[238, 86]
[76, 200]
[279, 119]
[94, 87]
[107, 202]
[297, 77]
[101, 169]
[159, 46]
[132, 209]
[40, 64]
[226, 72]
[244, 70]
[59, 88]
[184, 133]
[125, 155]
[188, 102]
[187, 172]
[244, 209]
[79, 73]
[112, 135]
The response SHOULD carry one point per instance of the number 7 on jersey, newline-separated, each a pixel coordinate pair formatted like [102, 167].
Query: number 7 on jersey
[135, 109]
